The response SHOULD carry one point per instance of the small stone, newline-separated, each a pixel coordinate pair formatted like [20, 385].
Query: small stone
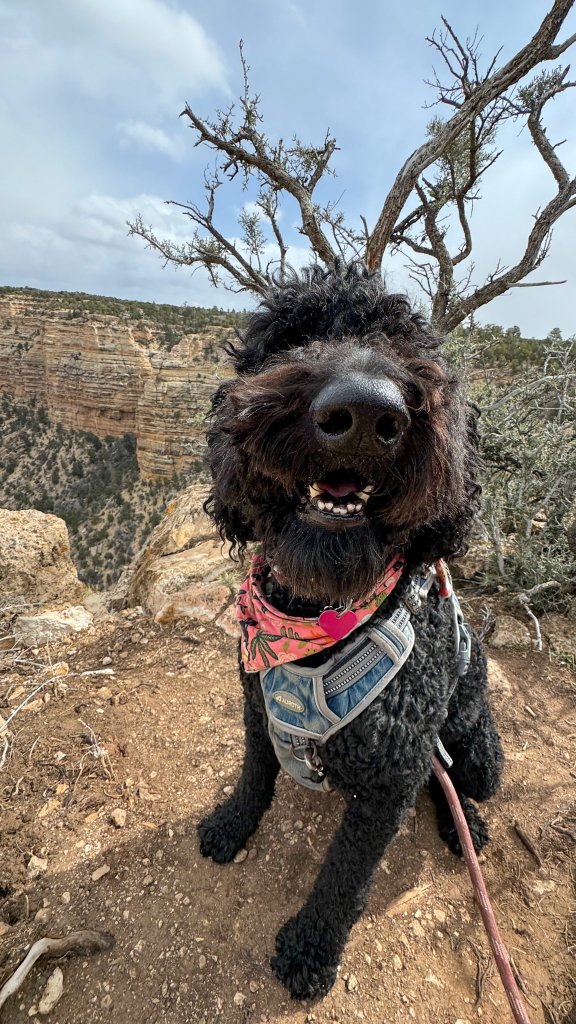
[100, 872]
[299, 825]
[106, 1002]
[433, 980]
[397, 963]
[240, 856]
[36, 867]
[52, 992]
[106, 660]
[418, 930]
[542, 887]
[118, 817]
[104, 693]
[65, 897]
[34, 705]
[201, 961]
[51, 805]
[352, 983]
[148, 880]
[440, 915]
[33, 1011]
[228, 790]
[253, 986]
[42, 916]
[510, 632]
[239, 999]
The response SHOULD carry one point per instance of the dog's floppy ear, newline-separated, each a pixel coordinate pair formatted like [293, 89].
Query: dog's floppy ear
[228, 519]
[227, 496]
[447, 536]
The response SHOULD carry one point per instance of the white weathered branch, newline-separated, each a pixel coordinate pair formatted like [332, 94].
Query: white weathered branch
[80, 943]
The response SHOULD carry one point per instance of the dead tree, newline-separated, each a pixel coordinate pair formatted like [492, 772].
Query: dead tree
[437, 186]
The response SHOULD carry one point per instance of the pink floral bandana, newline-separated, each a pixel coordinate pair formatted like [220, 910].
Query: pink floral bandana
[271, 638]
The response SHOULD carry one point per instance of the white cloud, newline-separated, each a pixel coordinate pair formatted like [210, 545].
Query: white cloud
[130, 51]
[149, 137]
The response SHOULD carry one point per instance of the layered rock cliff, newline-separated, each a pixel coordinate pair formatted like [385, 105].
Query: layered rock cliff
[110, 375]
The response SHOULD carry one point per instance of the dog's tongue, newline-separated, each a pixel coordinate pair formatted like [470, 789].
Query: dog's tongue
[339, 489]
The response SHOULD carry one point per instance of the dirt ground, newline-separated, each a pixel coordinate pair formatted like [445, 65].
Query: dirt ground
[157, 734]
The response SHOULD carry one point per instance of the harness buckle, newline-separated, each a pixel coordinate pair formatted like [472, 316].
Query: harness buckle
[464, 648]
[412, 598]
[312, 759]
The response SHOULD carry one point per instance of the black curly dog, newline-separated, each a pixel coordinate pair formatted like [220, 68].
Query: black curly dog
[340, 382]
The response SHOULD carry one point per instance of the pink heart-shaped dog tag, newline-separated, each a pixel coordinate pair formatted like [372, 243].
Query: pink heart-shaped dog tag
[337, 626]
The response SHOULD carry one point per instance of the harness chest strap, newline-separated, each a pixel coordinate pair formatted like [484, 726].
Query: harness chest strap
[306, 706]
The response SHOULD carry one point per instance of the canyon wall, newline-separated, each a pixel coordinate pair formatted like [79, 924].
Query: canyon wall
[111, 375]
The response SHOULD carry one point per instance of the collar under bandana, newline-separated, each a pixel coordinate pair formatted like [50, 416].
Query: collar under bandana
[270, 637]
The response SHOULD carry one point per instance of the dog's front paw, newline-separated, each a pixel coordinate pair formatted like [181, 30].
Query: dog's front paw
[220, 835]
[476, 824]
[304, 967]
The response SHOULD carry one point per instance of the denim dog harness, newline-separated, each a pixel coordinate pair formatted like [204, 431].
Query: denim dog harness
[307, 705]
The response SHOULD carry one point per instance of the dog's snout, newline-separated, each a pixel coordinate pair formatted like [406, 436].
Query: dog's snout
[361, 413]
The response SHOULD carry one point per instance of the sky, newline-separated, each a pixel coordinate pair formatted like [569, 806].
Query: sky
[90, 97]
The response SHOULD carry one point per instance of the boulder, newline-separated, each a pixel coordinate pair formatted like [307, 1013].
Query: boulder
[510, 632]
[35, 564]
[228, 621]
[203, 601]
[183, 570]
[50, 625]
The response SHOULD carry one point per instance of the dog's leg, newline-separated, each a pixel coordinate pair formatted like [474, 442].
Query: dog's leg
[309, 946]
[476, 773]
[225, 831]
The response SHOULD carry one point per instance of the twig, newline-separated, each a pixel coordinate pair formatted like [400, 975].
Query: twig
[527, 842]
[483, 969]
[5, 750]
[552, 1016]
[79, 943]
[524, 600]
[29, 698]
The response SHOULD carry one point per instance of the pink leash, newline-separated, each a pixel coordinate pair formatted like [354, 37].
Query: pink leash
[498, 948]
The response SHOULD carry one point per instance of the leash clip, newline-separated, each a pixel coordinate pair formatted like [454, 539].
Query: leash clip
[443, 754]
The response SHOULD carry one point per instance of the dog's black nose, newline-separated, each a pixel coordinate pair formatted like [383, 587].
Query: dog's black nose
[357, 413]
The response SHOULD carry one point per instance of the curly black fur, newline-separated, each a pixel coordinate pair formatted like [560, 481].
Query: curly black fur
[264, 453]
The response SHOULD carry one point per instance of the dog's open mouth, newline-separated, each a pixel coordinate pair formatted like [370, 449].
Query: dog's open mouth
[339, 495]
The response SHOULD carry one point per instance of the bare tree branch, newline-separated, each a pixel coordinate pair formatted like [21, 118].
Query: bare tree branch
[540, 48]
[274, 172]
[443, 177]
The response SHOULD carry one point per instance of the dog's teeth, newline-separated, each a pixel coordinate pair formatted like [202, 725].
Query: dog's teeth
[328, 505]
[364, 495]
[351, 507]
[369, 488]
[314, 490]
[359, 507]
[321, 505]
[341, 511]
